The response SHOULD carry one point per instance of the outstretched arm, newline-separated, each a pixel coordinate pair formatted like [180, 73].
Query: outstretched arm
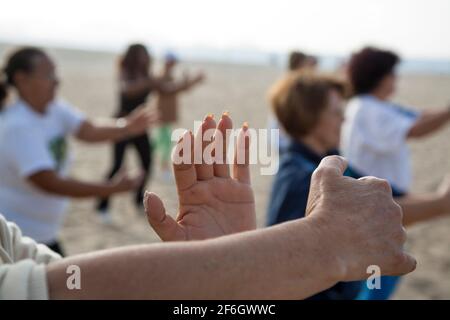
[135, 123]
[166, 87]
[50, 182]
[421, 207]
[428, 122]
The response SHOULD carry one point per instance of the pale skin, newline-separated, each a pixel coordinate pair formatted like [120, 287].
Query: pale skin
[416, 207]
[38, 89]
[293, 260]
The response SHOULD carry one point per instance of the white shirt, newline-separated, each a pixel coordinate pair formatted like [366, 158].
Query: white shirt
[374, 139]
[31, 142]
[22, 264]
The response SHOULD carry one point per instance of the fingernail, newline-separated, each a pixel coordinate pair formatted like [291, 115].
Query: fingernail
[225, 114]
[209, 116]
[245, 126]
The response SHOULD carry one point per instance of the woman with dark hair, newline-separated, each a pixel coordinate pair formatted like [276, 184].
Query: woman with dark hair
[34, 186]
[375, 130]
[136, 84]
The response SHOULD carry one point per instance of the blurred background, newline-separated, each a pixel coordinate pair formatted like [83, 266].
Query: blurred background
[242, 48]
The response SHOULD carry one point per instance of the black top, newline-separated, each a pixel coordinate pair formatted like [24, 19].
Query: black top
[129, 103]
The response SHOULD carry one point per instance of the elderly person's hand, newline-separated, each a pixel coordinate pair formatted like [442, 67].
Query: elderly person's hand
[359, 221]
[212, 202]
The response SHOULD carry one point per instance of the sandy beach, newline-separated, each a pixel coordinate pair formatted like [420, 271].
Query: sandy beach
[89, 82]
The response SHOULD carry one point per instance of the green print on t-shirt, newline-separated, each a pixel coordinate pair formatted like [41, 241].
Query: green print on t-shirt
[58, 149]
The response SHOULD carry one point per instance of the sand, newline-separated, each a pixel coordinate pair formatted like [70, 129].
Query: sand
[89, 82]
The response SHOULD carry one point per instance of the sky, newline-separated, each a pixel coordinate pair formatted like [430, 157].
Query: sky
[414, 28]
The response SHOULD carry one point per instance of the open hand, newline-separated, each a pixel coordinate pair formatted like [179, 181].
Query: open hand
[212, 202]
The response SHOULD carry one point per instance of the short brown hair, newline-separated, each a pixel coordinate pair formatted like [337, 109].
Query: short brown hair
[299, 99]
[368, 67]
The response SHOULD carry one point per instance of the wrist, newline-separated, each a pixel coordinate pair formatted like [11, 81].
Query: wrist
[309, 243]
[124, 126]
[111, 187]
[329, 248]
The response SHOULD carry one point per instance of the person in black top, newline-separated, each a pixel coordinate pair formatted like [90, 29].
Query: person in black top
[136, 84]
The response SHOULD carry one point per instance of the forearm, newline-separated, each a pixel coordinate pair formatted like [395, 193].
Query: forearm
[275, 263]
[176, 87]
[77, 189]
[105, 130]
[428, 122]
[172, 88]
[418, 208]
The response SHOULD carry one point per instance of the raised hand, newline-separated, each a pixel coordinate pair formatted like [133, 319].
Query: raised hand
[212, 202]
[123, 182]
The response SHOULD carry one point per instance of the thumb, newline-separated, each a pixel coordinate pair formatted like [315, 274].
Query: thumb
[163, 224]
[331, 166]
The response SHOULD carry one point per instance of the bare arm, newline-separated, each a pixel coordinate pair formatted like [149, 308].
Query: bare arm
[428, 122]
[135, 123]
[166, 87]
[419, 208]
[96, 132]
[50, 182]
[422, 207]
[225, 268]
[136, 87]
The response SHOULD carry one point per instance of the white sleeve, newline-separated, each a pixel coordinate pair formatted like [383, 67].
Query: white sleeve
[71, 117]
[385, 130]
[22, 264]
[28, 150]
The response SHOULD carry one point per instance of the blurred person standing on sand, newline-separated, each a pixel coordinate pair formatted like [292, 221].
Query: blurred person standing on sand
[376, 130]
[167, 103]
[34, 186]
[297, 62]
[136, 84]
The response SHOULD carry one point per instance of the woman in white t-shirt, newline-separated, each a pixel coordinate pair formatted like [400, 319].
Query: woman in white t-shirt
[34, 187]
[376, 130]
